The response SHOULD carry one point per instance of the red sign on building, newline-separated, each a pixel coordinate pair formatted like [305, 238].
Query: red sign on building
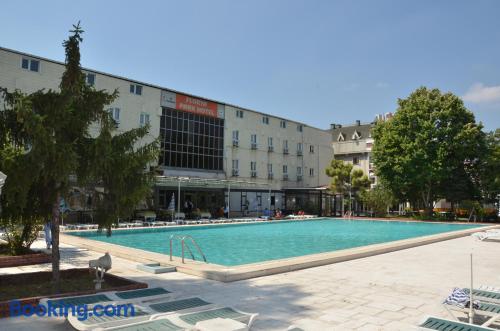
[196, 106]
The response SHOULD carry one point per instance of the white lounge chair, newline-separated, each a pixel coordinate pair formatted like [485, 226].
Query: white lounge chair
[110, 296]
[180, 216]
[189, 321]
[142, 312]
[490, 311]
[487, 235]
[205, 215]
[441, 324]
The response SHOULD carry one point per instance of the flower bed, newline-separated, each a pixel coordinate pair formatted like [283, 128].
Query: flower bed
[7, 261]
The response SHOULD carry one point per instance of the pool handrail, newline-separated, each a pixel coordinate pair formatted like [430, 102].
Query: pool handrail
[182, 239]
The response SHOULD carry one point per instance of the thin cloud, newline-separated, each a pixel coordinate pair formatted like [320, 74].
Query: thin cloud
[479, 93]
[382, 85]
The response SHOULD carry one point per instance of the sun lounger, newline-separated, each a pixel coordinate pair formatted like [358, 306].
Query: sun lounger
[441, 324]
[142, 312]
[155, 223]
[205, 215]
[140, 294]
[82, 226]
[180, 216]
[484, 295]
[490, 311]
[183, 321]
[487, 235]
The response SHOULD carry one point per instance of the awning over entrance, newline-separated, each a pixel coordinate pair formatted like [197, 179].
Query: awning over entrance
[206, 182]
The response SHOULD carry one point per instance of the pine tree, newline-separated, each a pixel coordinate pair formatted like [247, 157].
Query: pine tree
[46, 141]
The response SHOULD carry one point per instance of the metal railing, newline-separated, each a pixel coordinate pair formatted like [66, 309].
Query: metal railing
[184, 245]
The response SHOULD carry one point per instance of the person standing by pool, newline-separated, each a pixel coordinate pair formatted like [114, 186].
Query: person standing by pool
[226, 211]
[48, 234]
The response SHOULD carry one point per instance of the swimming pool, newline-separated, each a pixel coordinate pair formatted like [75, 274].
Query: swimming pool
[238, 244]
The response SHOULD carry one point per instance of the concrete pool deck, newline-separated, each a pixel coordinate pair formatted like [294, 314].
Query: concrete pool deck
[392, 291]
[253, 270]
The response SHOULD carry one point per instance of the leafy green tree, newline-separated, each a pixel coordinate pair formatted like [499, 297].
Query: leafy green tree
[430, 149]
[346, 178]
[490, 169]
[378, 199]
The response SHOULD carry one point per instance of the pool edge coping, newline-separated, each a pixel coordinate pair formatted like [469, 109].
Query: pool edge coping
[259, 269]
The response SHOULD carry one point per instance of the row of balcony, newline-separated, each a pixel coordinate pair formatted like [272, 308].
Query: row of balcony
[253, 174]
[269, 148]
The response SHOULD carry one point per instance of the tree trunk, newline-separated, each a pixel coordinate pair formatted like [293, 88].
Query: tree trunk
[342, 204]
[428, 203]
[54, 229]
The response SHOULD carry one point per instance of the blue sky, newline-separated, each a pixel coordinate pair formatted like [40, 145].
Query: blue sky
[318, 62]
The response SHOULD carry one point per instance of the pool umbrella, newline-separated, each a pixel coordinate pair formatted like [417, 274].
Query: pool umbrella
[471, 299]
[171, 206]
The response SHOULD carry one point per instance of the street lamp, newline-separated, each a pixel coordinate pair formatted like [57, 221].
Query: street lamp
[3, 177]
[350, 195]
[179, 192]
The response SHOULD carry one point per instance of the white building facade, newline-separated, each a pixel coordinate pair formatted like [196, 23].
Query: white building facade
[282, 161]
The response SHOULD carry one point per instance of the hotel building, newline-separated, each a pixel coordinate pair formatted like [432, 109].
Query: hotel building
[216, 153]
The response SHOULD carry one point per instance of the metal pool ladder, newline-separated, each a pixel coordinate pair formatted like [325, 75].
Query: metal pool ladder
[184, 245]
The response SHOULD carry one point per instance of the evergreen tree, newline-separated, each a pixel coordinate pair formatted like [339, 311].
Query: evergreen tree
[45, 140]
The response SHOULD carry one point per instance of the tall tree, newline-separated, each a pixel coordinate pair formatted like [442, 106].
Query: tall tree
[115, 164]
[430, 149]
[346, 178]
[48, 135]
[490, 168]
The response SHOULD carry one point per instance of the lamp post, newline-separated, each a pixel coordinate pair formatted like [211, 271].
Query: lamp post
[179, 180]
[3, 177]
[350, 195]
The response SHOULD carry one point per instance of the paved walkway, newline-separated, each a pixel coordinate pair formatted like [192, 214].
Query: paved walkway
[392, 291]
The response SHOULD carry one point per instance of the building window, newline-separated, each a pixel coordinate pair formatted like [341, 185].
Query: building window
[253, 141]
[355, 160]
[265, 119]
[115, 114]
[90, 79]
[311, 148]
[253, 165]
[30, 64]
[300, 127]
[191, 141]
[269, 168]
[299, 147]
[236, 135]
[239, 113]
[285, 146]
[144, 119]
[270, 141]
[299, 171]
[311, 172]
[136, 89]
[285, 169]
[283, 124]
[235, 170]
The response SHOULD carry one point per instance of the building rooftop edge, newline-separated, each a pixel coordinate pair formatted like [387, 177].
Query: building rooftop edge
[159, 87]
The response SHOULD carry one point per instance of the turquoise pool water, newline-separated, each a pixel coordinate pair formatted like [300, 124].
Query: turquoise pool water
[236, 244]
